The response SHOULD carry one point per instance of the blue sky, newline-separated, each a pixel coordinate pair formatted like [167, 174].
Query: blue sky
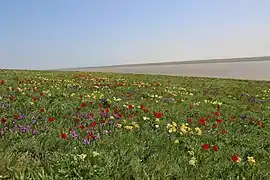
[49, 34]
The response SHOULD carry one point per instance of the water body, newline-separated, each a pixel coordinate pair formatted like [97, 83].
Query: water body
[256, 70]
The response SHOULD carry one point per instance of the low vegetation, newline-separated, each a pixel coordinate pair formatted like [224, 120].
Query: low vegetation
[63, 125]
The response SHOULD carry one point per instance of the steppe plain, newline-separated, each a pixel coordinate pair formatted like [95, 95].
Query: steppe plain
[95, 125]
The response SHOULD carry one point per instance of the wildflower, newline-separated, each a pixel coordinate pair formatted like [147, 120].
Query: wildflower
[243, 116]
[95, 153]
[219, 120]
[19, 89]
[223, 131]
[146, 118]
[82, 156]
[215, 148]
[128, 127]
[251, 160]
[11, 97]
[3, 120]
[236, 158]
[205, 146]
[198, 131]
[83, 105]
[183, 129]
[171, 128]
[92, 124]
[202, 121]
[119, 125]
[34, 132]
[189, 120]
[86, 141]
[192, 161]
[176, 141]
[51, 119]
[81, 126]
[215, 126]
[63, 136]
[191, 153]
[135, 125]
[90, 136]
[158, 114]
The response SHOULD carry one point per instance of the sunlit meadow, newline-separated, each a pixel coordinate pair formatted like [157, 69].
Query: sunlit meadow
[74, 125]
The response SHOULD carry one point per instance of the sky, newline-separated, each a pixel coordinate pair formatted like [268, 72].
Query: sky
[52, 34]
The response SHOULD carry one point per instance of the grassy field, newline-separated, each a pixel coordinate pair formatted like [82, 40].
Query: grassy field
[59, 125]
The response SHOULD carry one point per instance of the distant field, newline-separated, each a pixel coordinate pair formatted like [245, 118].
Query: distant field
[239, 68]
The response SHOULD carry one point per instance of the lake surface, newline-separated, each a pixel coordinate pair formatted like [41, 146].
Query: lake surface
[257, 70]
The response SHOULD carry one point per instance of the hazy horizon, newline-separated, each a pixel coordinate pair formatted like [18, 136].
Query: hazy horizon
[65, 33]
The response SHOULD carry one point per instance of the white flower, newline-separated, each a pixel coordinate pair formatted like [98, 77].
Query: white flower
[191, 153]
[192, 161]
[146, 118]
[82, 156]
[95, 153]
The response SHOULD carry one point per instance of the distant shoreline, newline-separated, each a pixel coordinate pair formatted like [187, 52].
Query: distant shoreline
[223, 60]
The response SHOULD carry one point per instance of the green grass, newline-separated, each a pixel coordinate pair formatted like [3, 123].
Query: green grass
[162, 129]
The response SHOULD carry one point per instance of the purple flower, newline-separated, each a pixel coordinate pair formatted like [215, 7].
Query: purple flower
[74, 87]
[97, 137]
[110, 122]
[34, 132]
[116, 116]
[24, 129]
[104, 115]
[243, 116]
[89, 117]
[74, 134]
[21, 116]
[86, 141]
[89, 131]
[103, 100]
